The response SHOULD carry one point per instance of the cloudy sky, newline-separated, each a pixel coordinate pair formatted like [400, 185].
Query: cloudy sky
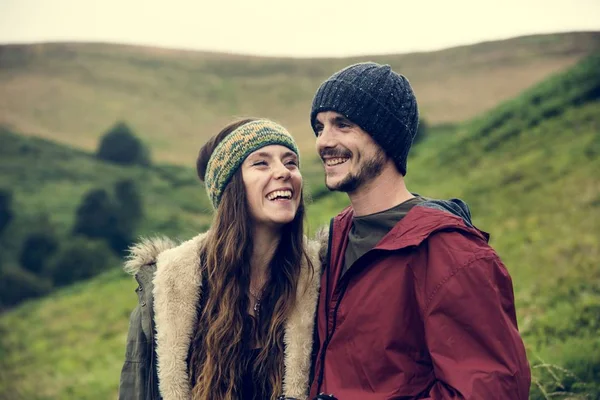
[292, 28]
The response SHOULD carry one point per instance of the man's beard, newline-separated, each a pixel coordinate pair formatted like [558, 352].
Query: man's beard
[371, 169]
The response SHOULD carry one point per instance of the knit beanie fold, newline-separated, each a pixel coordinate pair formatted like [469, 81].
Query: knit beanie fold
[378, 100]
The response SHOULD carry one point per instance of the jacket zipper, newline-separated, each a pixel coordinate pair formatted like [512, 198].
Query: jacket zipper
[342, 291]
[344, 281]
[330, 335]
[150, 373]
[152, 355]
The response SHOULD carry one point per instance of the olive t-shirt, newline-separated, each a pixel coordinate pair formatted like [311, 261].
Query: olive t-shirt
[368, 230]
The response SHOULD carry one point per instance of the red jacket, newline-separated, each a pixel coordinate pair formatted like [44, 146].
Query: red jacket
[427, 314]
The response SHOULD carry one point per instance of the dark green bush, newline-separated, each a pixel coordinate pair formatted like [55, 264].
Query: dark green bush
[129, 212]
[114, 220]
[36, 251]
[80, 259]
[96, 216]
[120, 145]
[129, 201]
[6, 212]
[17, 285]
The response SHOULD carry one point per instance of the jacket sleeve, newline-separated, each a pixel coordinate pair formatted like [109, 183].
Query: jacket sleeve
[135, 379]
[472, 335]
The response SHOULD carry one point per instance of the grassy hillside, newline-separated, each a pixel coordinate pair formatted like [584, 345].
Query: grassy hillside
[48, 181]
[529, 170]
[175, 99]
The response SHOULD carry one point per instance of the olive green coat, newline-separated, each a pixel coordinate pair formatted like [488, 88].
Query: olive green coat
[162, 324]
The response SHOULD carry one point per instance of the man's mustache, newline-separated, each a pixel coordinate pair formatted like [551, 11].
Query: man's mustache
[335, 152]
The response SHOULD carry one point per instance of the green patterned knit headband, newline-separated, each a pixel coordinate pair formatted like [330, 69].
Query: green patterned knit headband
[235, 147]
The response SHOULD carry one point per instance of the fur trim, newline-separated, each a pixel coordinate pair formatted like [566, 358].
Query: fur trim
[145, 252]
[177, 285]
[322, 237]
[177, 290]
[298, 336]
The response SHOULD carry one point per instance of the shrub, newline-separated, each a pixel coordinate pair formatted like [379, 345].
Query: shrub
[120, 145]
[101, 217]
[80, 259]
[17, 285]
[96, 216]
[6, 212]
[36, 250]
[129, 201]
[129, 212]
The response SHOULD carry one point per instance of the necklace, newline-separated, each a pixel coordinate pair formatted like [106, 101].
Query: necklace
[257, 298]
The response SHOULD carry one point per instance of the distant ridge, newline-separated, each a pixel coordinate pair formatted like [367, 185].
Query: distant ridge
[175, 99]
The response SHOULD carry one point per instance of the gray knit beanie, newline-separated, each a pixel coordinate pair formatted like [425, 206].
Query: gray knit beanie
[378, 100]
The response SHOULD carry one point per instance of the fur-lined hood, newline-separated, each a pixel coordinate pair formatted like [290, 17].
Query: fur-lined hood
[176, 292]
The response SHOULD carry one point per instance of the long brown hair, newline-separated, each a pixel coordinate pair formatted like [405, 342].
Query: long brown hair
[217, 360]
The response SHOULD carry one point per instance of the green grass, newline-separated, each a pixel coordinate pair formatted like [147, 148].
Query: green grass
[49, 180]
[175, 100]
[537, 191]
[68, 346]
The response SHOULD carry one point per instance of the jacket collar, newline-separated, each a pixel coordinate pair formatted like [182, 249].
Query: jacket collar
[177, 290]
[418, 224]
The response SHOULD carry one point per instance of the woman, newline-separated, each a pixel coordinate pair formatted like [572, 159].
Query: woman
[229, 314]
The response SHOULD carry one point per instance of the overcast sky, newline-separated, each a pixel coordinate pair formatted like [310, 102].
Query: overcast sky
[292, 28]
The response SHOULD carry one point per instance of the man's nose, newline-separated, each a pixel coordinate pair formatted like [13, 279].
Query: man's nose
[325, 139]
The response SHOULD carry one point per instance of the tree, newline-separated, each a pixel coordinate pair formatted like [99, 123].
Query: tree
[80, 259]
[36, 250]
[17, 285]
[129, 201]
[120, 145]
[96, 215]
[6, 212]
[129, 211]
[101, 217]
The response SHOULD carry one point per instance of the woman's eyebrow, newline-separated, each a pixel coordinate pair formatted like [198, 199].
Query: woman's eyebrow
[261, 154]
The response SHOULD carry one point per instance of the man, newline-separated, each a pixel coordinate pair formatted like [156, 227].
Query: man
[414, 303]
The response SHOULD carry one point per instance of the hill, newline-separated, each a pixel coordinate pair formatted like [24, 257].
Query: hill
[529, 170]
[48, 182]
[174, 100]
